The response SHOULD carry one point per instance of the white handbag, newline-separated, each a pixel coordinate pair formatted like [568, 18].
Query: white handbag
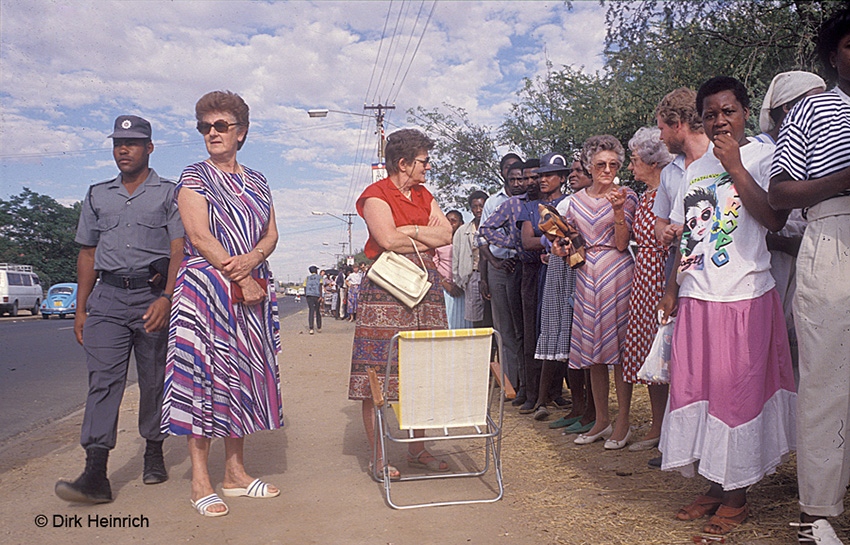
[400, 277]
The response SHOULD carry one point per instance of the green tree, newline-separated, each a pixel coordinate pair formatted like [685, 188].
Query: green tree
[38, 231]
[559, 111]
[652, 47]
[464, 157]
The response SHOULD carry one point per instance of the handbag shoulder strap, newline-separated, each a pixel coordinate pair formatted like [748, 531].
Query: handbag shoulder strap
[418, 254]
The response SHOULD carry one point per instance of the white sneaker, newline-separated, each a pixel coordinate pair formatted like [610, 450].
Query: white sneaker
[819, 531]
[311, 332]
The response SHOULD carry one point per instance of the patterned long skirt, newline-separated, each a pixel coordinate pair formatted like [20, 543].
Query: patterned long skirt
[379, 317]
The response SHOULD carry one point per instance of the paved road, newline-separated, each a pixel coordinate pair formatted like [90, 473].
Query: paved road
[43, 371]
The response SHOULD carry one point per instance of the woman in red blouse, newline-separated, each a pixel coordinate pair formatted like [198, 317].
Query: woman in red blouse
[400, 214]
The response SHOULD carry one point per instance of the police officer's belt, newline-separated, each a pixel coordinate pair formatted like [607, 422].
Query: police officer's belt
[126, 282]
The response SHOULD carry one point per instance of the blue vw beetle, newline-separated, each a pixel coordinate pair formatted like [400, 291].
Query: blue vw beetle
[61, 299]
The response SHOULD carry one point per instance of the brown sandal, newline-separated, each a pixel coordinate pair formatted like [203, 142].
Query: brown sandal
[702, 506]
[726, 519]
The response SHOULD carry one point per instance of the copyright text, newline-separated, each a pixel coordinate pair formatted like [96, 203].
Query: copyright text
[92, 521]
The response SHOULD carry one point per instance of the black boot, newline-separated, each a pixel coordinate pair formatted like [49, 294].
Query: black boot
[155, 472]
[92, 486]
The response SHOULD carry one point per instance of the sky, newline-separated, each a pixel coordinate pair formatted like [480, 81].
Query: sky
[68, 68]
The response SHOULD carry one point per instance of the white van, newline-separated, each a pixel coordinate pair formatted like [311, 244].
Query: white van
[20, 288]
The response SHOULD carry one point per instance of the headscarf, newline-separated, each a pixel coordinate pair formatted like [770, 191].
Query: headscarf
[784, 88]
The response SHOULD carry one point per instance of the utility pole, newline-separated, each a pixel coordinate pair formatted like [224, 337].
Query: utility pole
[350, 217]
[379, 117]
[377, 168]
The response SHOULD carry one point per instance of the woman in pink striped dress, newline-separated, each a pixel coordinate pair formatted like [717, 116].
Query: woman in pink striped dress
[603, 213]
[222, 378]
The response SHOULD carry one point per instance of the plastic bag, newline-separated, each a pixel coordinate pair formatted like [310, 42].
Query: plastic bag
[656, 368]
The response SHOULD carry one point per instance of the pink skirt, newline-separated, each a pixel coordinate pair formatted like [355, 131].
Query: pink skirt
[732, 404]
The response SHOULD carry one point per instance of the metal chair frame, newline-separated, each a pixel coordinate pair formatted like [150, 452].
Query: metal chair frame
[491, 434]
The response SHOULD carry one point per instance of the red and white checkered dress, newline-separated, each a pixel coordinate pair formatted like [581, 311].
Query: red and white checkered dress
[647, 290]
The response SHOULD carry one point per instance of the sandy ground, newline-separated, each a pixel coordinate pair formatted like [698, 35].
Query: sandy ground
[318, 460]
[555, 492]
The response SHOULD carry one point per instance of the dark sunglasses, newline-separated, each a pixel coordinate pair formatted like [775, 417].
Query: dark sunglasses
[220, 126]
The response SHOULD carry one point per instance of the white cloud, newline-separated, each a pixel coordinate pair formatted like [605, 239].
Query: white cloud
[69, 67]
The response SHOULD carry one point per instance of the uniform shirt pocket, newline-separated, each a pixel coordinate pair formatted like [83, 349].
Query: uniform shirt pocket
[105, 223]
[107, 233]
[153, 231]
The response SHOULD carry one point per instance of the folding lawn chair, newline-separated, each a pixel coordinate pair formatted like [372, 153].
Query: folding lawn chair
[444, 384]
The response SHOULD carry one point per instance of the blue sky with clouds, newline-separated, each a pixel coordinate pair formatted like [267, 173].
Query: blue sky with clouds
[69, 67]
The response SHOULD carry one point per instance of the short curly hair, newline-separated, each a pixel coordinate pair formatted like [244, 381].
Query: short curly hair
[680, 106]
[227, 102]
[831, 32]
[648, 145]
[508, 158]
[603, 142]
[405, 144]
[477, 194]
[718, 84]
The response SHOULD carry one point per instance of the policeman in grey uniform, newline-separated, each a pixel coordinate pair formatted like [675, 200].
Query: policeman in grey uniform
[132, 241]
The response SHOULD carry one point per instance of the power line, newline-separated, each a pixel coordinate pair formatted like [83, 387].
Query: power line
[433, 6]
[407, 46]
[387, 57]
[355, 169]
[380, 45]
[393, 52]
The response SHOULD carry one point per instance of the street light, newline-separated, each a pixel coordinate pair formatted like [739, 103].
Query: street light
[323, 112]
[379, 118]
[348, 221]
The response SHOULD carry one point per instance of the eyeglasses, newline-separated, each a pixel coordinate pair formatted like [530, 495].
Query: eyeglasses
[220, 126]
[614, 166]
[425, 162]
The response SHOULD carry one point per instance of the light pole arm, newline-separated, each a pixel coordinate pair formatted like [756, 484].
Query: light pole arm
[316, 213]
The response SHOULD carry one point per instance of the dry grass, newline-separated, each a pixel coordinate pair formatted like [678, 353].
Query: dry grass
[574, 494]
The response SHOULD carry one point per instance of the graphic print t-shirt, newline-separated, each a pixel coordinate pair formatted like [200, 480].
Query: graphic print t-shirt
[724, 254]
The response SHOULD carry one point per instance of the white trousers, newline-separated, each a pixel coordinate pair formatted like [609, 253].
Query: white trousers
[822, 319]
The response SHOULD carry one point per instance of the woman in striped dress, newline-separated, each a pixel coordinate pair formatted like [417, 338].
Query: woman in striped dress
[603, 213]
[222, 378]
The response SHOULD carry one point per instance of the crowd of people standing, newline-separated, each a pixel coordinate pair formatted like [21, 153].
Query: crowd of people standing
[758, 366]
[707, 242]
